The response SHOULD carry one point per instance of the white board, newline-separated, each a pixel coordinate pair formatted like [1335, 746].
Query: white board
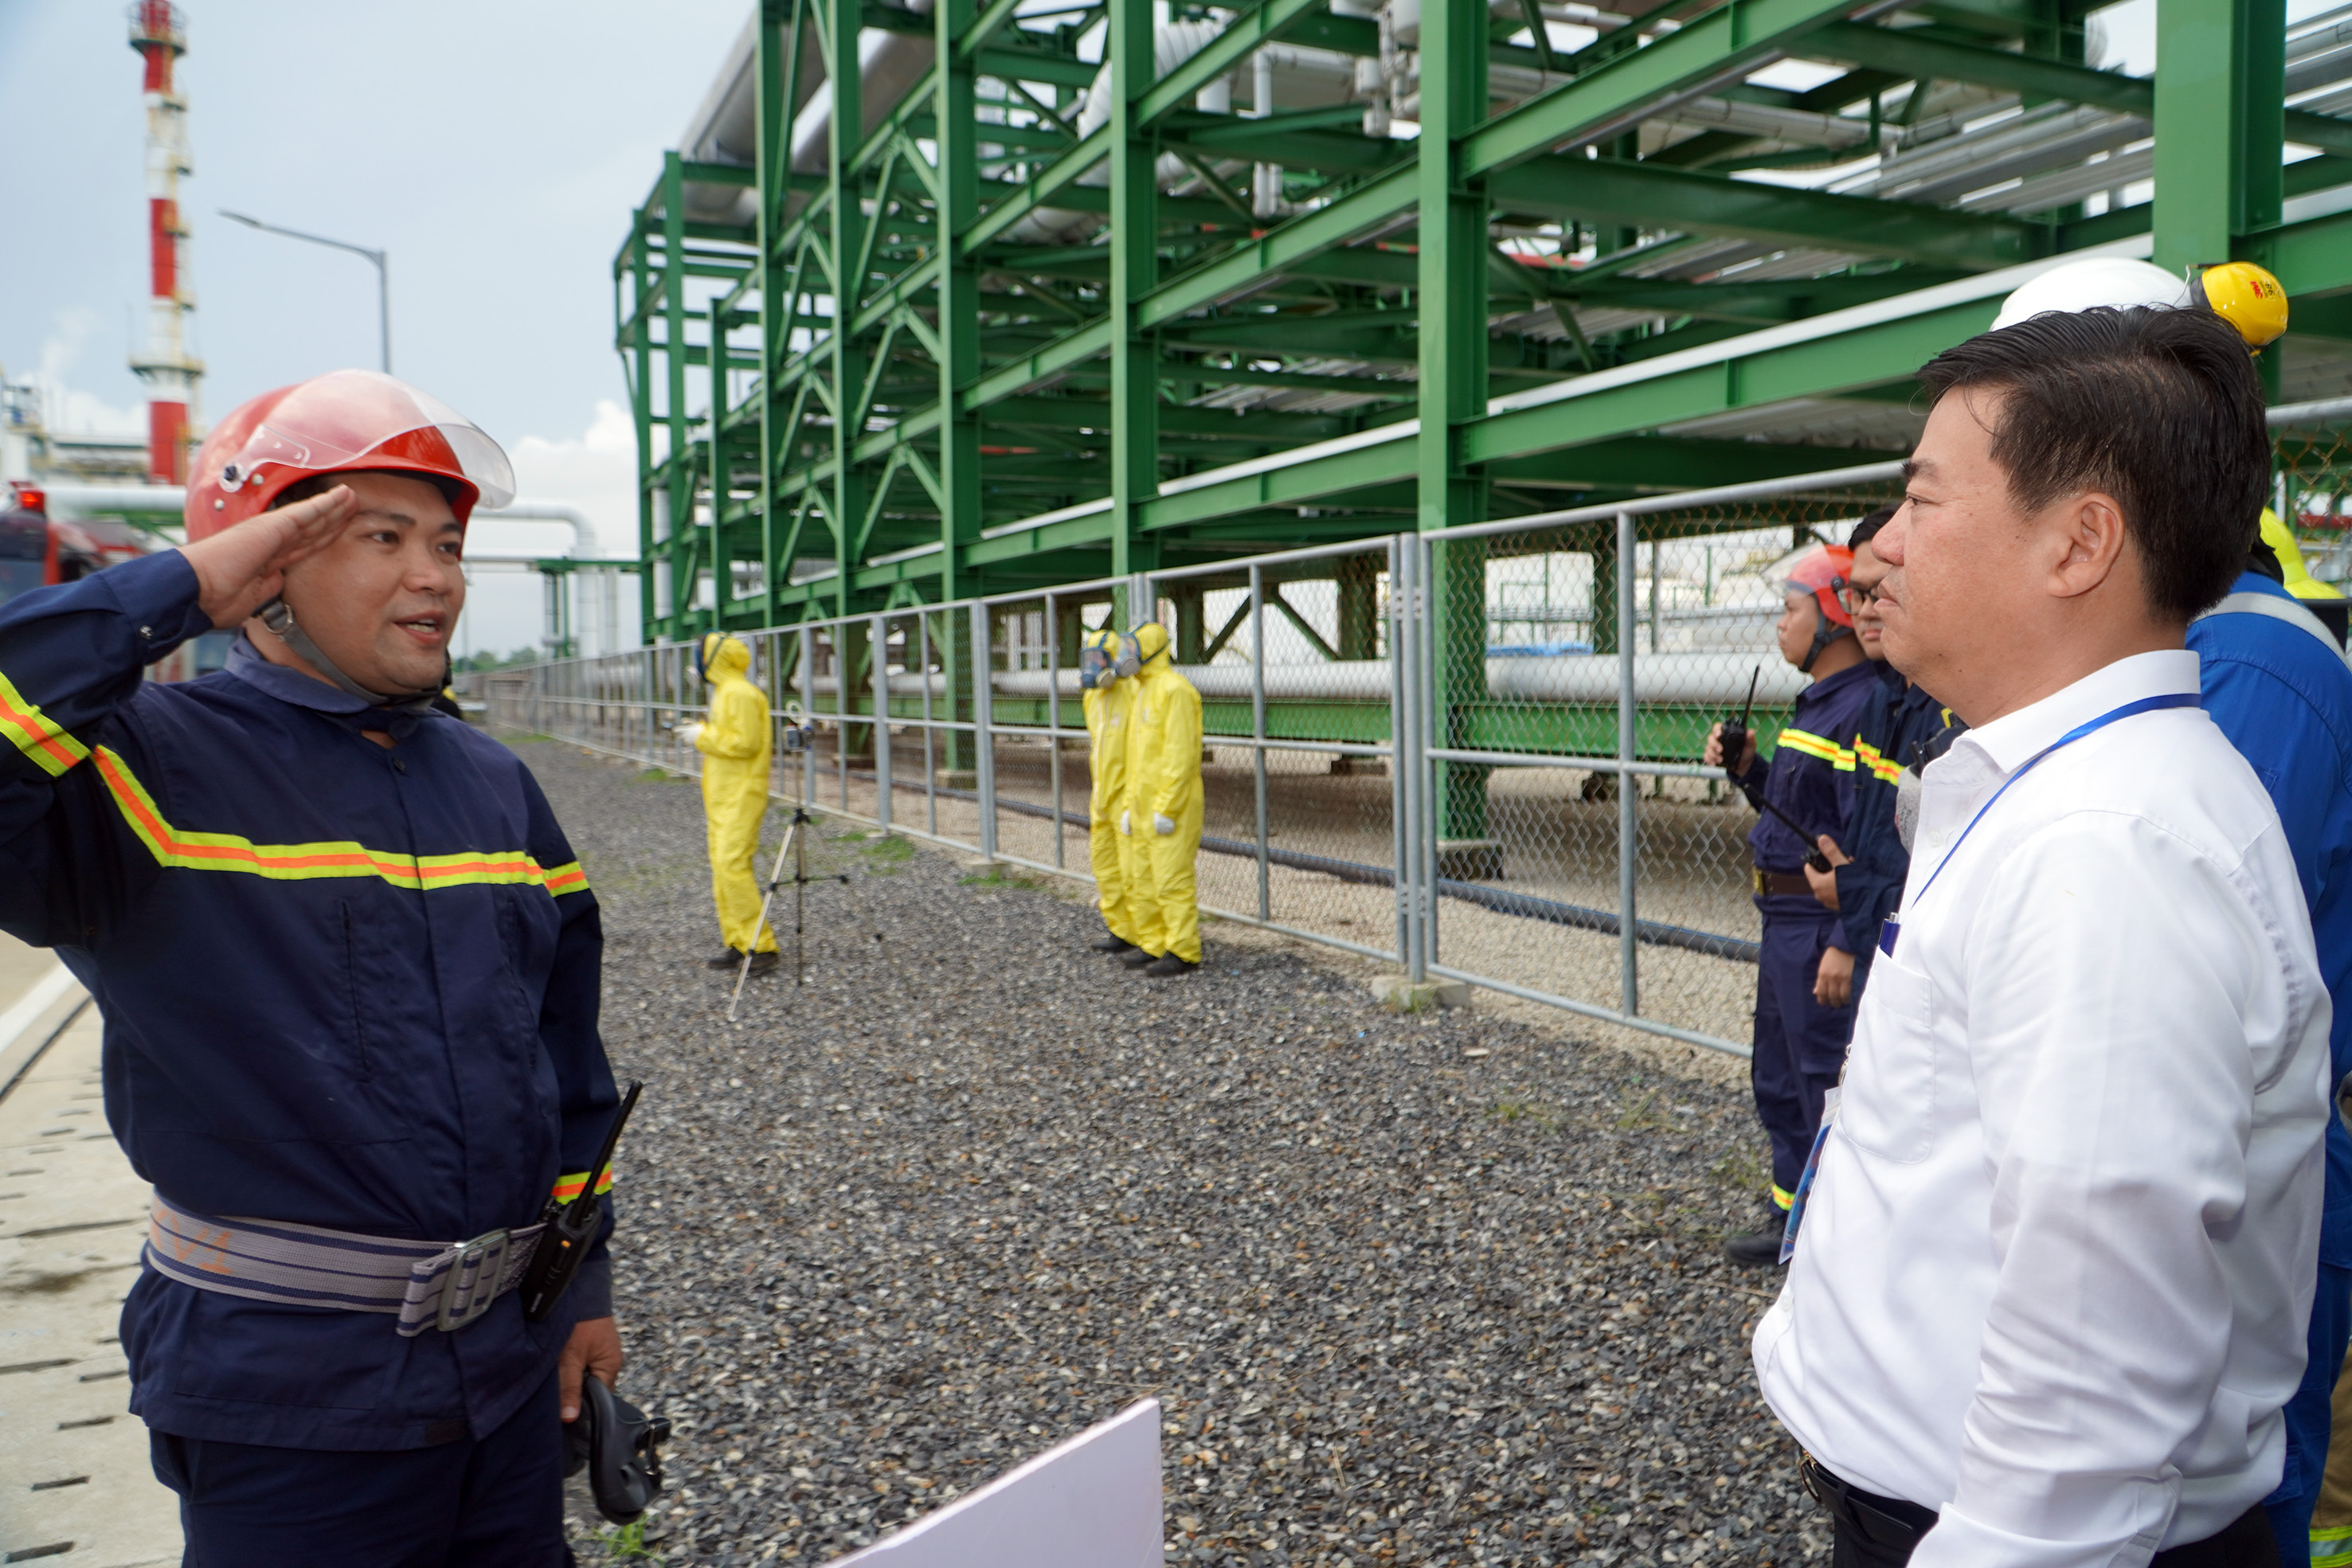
[1091, 1502]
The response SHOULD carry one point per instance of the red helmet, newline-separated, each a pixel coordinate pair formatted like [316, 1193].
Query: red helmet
[1822, 572]
[338, 423]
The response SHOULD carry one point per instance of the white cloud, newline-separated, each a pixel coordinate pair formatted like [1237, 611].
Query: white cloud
[69, 412]
[596, 472]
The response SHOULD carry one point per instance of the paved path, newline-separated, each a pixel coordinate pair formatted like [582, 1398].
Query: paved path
[75, 1486]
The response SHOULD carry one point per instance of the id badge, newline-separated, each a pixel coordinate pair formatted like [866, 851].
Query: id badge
[1812, 1164]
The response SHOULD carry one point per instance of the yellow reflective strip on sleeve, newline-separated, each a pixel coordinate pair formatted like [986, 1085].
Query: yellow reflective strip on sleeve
[567, 1187]
[567, 878]
[1829, 751]
[36, 733]
[1782, 1196]
[2331, 1548]
[185, 850]
[1889, 771]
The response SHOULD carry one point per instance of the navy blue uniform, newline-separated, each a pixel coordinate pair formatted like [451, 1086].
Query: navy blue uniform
[1800, 1044]
[2285, 699]
[1894, 718]
[344, 986]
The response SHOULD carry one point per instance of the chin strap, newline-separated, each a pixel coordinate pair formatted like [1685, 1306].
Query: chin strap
[1825, 631]
[277, 617]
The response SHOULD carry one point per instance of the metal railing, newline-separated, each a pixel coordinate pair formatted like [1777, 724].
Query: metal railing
[1377, 778]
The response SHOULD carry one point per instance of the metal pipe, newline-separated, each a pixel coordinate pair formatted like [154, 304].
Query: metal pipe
[1053, 721]
[1257, 731]
[1628, 843]
[880, 658]
[983, 742]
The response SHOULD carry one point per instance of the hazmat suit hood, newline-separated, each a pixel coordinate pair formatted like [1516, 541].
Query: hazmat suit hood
[1151, 644]
[724, 658]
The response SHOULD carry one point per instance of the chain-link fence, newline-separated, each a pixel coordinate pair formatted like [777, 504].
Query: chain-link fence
[1474, 753]
[1578, 852]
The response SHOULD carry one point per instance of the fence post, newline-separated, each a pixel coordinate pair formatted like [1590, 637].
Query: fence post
[930, 758]
[1053, 721]
[1628, 843]
[1257, 729]
[878, 655]
[983, 739]
[1399, 748]
[808, 707]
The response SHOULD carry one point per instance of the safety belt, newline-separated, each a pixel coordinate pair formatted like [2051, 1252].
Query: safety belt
[2277, 609]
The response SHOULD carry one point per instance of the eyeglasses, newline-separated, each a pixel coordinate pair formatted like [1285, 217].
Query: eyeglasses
[1856, 594]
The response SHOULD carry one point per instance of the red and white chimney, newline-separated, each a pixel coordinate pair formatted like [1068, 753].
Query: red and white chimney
[159, 33]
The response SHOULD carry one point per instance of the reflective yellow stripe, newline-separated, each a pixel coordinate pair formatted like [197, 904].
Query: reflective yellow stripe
[567, 878]
[1829, 751]
[567, 1187]
[2332, 1548]
[187, 850]
[1783, 1196]
[36, 733]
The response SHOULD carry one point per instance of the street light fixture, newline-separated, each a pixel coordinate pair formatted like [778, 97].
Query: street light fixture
[382, 270]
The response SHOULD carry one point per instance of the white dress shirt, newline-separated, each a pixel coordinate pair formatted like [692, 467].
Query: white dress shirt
[2055, 1268]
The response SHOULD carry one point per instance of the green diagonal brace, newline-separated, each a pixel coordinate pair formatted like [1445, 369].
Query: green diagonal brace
[1304, 236]
[1241, 38]
[1715, 49]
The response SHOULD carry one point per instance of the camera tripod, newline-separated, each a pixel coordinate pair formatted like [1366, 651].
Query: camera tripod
[795, 849]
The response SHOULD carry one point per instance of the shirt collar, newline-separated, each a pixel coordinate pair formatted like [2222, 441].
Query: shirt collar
[245, 663]
[2011, 740]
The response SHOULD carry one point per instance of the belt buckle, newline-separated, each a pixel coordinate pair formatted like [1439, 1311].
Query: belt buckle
[487, 1252]
[1756, 874]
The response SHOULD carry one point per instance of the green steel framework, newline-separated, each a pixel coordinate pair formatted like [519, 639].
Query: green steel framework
[968, 377]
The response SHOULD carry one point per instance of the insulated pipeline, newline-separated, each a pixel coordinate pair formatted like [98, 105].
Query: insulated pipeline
[1525, 906]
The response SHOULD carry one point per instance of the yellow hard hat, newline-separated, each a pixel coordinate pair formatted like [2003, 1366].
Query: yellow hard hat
[2248, 297]
[2278, 540]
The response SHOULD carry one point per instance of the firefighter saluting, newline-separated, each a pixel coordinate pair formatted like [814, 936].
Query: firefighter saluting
[349, 968]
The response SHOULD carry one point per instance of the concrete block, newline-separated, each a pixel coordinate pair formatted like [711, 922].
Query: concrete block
[959, 777]
[978, 865]
[1361, 767]
[1470, 860]
[1400, 995]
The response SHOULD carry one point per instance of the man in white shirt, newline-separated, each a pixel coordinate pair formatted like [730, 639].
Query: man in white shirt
[2053, 1267]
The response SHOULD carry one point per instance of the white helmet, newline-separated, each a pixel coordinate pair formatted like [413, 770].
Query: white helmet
[2094, 281]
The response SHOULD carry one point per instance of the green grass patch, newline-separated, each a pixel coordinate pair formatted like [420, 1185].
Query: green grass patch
[1516, 1108]
[627, 1544]
[655, 775]
[889, 850]
[998, 878]
[1643, 1116]
[1742, 1170]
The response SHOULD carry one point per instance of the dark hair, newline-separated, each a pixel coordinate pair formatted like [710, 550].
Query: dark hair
[2160, 409]
[1867, 530]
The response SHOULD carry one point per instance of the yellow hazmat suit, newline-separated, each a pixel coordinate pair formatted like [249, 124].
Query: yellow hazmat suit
[734, 747]
[1162, 816]
[1106, 704]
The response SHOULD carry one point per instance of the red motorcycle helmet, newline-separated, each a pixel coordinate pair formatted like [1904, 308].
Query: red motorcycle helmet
[342, 421]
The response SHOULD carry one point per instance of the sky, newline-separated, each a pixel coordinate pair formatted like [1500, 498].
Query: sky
[494, 148]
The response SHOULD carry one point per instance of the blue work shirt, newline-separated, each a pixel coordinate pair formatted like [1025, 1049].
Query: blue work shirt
[1894, 718]
[343, 985]
[1811, 777]
[2285, 699]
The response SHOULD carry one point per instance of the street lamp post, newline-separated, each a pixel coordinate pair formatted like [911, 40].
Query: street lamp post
[383, 271]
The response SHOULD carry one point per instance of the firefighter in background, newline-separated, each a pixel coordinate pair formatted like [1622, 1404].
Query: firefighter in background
[734, 747]
[1106, 667]
[1159, 825]
[1801, 1037]
[350, 971]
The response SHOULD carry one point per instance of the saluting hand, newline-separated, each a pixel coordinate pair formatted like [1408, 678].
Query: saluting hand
[241, 569]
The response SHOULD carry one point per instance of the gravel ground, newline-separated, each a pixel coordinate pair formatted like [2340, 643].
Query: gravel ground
[1434, 1290]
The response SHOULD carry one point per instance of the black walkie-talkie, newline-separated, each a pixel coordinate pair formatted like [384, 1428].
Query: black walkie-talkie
[572, 1227]
[1735, 730]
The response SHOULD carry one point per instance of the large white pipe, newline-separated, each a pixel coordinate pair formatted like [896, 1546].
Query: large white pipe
[70, 499]
[1716, 677]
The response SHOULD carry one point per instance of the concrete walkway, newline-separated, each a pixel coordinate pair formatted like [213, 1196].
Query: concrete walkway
[75, 1486]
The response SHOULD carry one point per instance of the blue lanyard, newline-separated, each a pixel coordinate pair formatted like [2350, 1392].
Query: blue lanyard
[2145, 704]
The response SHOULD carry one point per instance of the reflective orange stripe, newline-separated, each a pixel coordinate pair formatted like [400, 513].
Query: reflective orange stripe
[186, 851]
[36, 733]
[568, 1188]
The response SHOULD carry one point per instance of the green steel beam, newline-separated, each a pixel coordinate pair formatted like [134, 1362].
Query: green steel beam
[1134, 274]
[1710, 52]
[1262, 24]
[1606, 190]
[1373, 203]
[1047, 182]
[958, 329]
